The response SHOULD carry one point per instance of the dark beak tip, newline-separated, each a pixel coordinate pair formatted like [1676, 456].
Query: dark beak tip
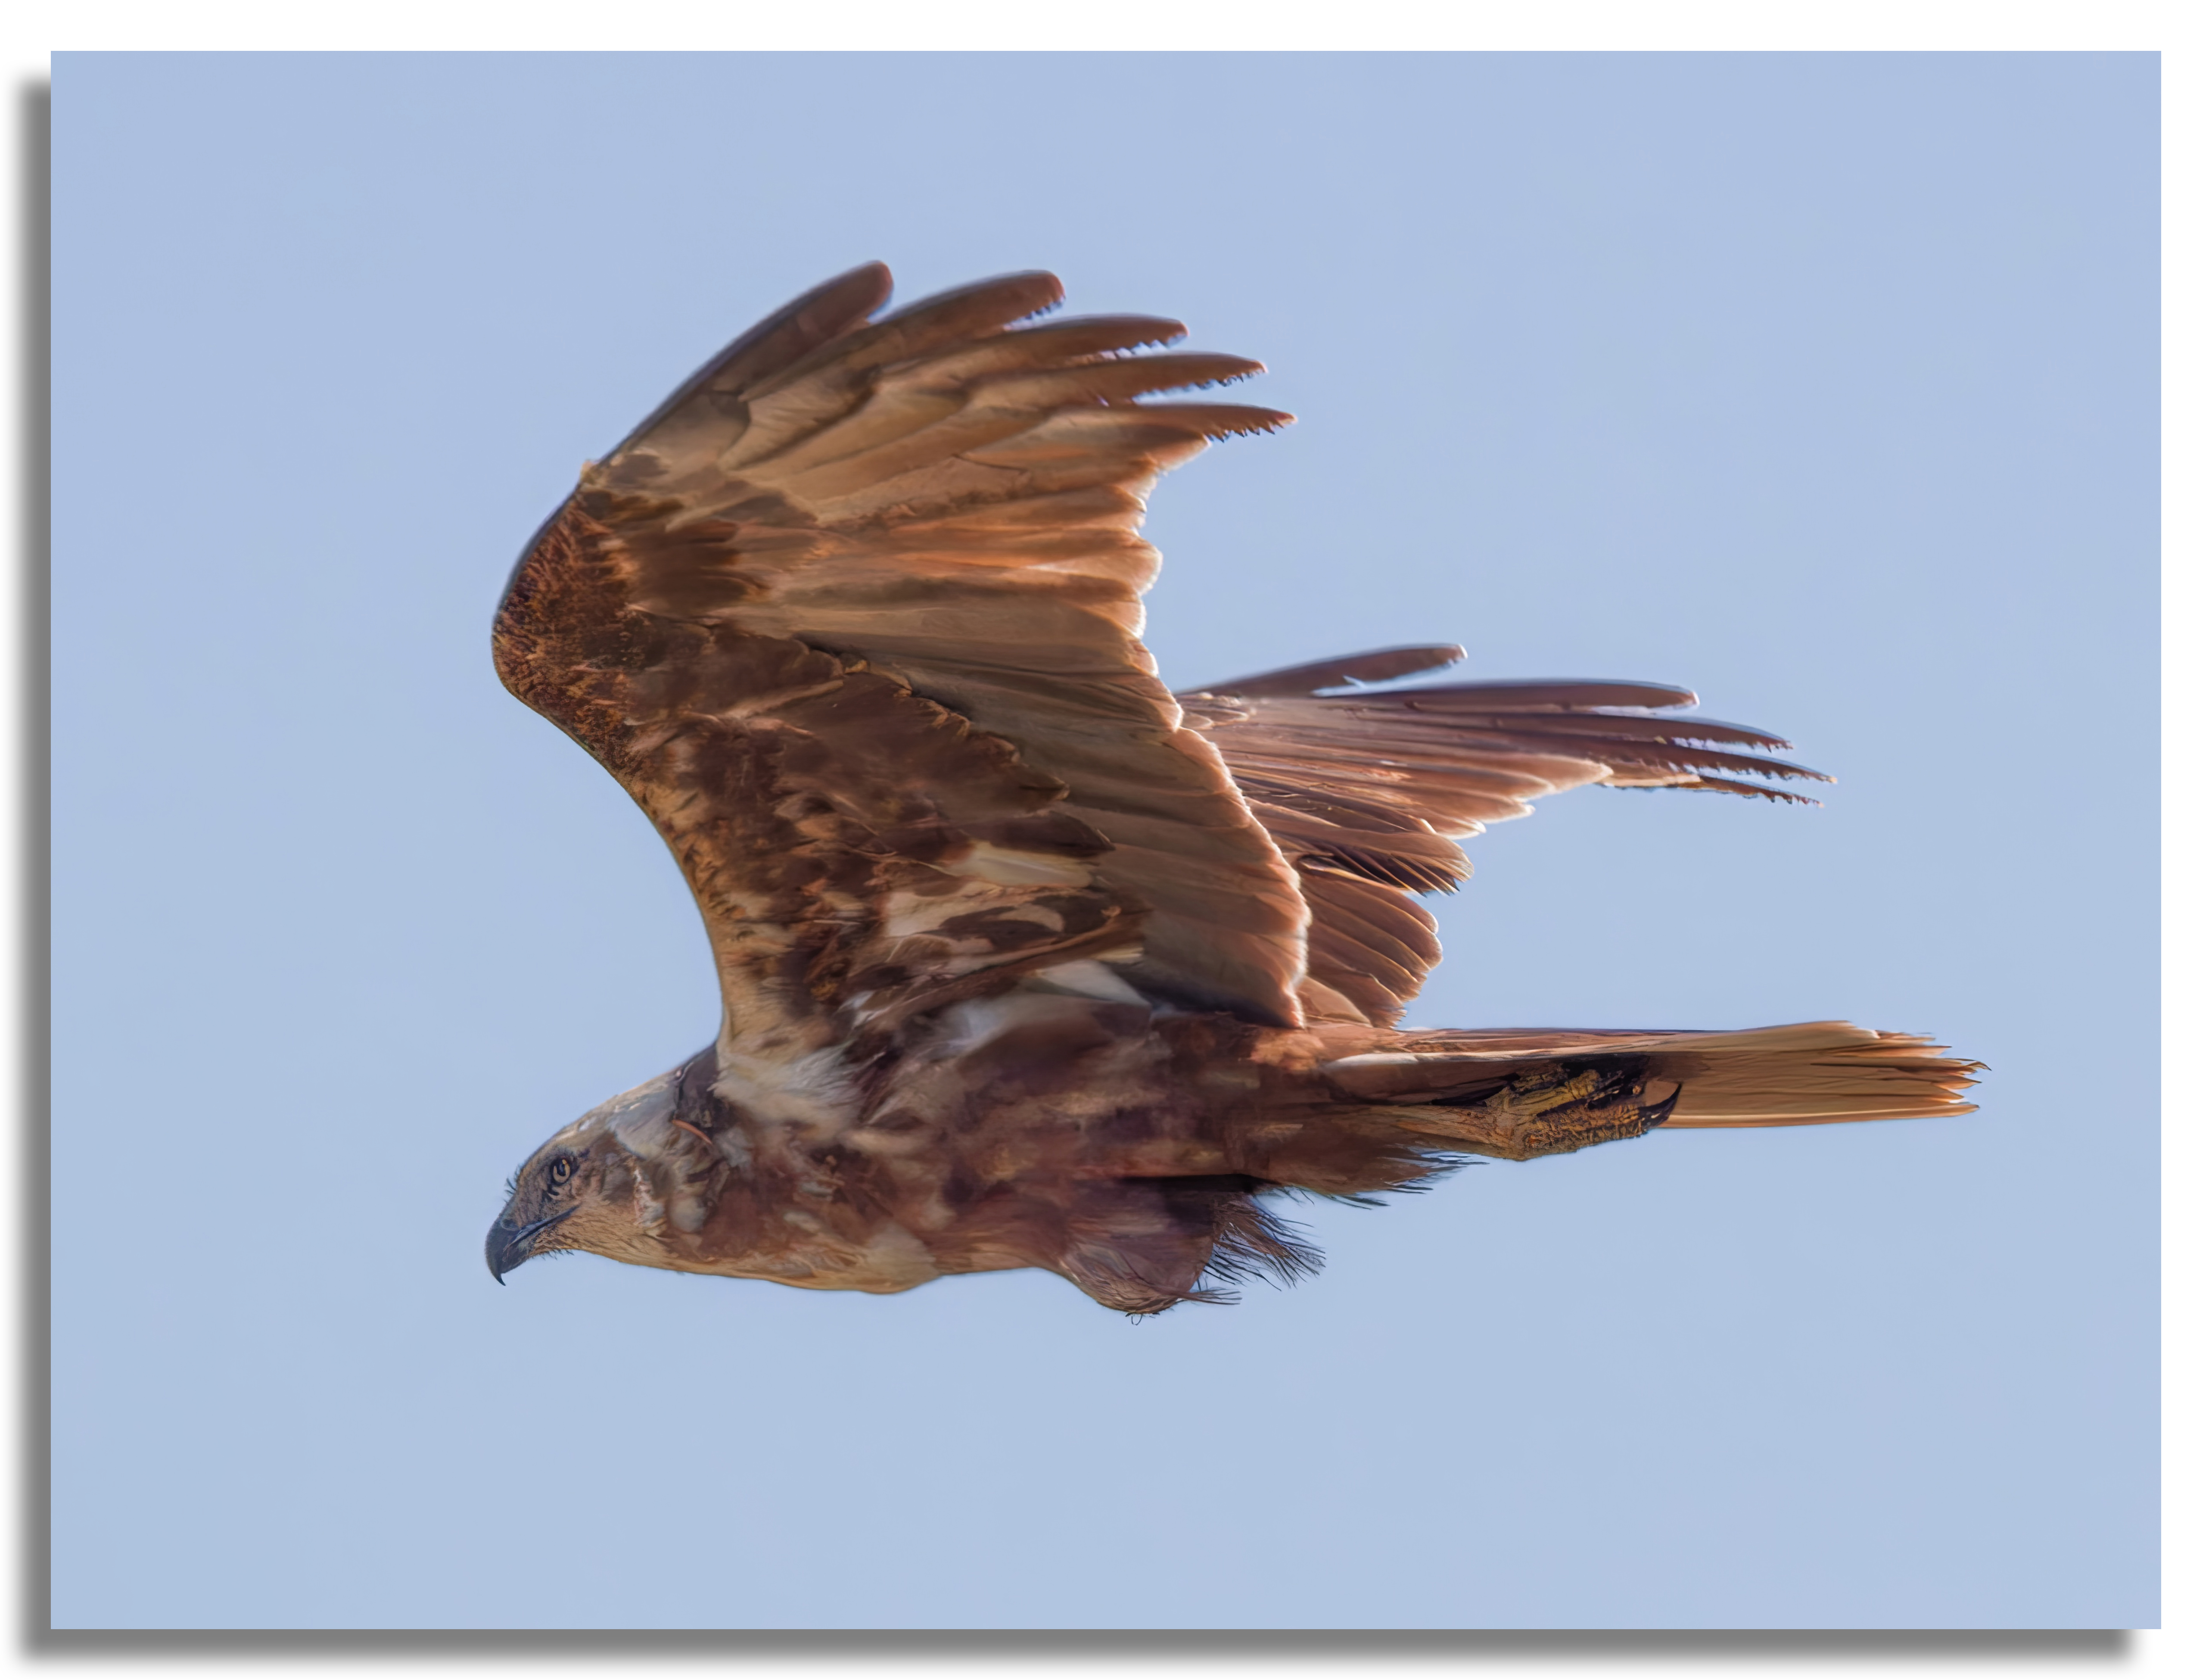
[498, 1249]
[507, 1245]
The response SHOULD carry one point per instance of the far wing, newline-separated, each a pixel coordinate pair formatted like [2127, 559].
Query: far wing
[853, 617]
[1367, 793]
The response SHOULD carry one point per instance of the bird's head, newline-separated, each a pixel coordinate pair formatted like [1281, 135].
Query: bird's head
[567, 1180]
[603, 1184]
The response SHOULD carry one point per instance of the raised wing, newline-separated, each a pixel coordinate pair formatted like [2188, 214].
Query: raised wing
[1367, 793]
[853, 617]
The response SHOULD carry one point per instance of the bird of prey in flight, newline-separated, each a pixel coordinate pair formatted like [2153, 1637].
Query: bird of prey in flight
[1026, 960]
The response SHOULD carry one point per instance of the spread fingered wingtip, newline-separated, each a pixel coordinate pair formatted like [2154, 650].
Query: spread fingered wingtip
[1000, 301]
[1228, 420]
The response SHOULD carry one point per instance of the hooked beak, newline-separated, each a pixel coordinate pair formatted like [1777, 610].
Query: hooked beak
[509, 1244]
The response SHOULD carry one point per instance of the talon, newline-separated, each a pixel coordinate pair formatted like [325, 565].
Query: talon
[695, 1132]
[1654, 1115]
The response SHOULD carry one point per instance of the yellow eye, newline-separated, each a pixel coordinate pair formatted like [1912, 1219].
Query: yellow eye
[561, 1170]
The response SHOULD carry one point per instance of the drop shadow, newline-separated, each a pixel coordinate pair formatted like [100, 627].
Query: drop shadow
[34, 670]
[2098, 1646]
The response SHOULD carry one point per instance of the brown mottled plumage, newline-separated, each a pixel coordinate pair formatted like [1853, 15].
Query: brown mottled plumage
[1024, 960]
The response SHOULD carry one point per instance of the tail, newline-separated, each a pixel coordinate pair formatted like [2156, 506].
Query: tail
[1396, 1108]
[1515, 1095]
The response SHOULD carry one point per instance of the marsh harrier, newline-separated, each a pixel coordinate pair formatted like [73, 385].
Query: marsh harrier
[1024, 960]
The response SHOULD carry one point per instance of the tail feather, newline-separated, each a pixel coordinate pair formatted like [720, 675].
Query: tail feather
[1853, 1074]
[1518, 1094]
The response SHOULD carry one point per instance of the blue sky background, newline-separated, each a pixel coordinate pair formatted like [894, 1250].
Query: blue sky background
[1826, 383]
